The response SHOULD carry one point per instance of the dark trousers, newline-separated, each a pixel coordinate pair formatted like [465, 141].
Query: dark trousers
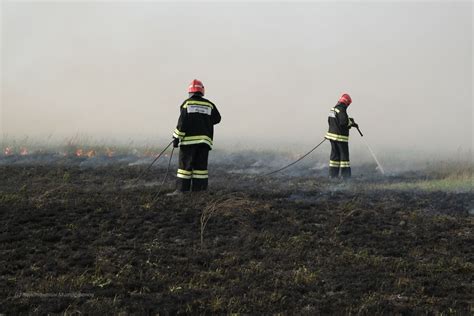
[339, 160]
[192, 172]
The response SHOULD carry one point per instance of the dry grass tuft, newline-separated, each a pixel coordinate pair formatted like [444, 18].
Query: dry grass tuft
[233, 204]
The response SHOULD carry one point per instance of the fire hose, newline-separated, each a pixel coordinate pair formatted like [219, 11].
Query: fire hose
[152, 163]
[166, 173]
[315, 147]
[155, 198]
[295, 162]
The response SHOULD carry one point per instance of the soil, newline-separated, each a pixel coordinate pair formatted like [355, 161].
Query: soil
[91, 240]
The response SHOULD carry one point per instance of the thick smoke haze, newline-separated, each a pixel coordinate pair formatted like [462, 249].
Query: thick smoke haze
[120, 70]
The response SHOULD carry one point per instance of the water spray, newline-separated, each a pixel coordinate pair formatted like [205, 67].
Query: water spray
[379, 166]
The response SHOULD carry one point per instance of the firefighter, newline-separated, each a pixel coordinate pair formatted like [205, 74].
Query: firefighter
[194, 135]
[338, 134]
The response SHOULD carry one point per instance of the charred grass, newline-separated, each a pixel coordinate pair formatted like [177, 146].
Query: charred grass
[87, 240]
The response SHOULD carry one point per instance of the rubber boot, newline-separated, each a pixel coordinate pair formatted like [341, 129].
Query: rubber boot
[199, 185]
[333, 172]
[346, 173]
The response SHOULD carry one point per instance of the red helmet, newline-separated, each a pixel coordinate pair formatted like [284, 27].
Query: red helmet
[196, 86]
[346, 99]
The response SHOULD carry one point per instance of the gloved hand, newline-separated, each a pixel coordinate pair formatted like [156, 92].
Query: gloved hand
[352, 123]
[175, 142]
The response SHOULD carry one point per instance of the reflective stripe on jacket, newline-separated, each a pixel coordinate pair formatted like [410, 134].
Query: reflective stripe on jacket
[196, 121]
[339, 124]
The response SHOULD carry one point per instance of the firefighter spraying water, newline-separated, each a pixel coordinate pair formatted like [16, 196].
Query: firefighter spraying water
[338, 134]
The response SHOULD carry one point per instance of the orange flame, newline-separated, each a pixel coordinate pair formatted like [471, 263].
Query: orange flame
[109, 152]
[79, 152]
[8, 151]
[23, 151]
[90, 153]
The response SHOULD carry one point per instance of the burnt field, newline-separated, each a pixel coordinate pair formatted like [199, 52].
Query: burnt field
[82, 238]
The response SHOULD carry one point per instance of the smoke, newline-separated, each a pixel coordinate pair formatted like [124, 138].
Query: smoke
[118, 71]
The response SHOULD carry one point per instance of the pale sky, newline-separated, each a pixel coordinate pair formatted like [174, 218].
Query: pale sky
[121, 69]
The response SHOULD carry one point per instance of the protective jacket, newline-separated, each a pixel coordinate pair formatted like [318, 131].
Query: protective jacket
[339, 124]
[196, 121]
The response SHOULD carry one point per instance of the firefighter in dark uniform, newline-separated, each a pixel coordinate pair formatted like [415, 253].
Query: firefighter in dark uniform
[194, 134]
[338, 134]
